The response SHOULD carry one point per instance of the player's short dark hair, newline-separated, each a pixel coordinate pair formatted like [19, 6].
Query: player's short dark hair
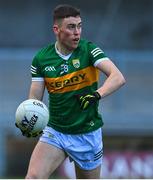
[64, 10]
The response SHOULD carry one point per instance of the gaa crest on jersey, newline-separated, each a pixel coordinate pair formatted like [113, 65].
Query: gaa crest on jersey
[76, 63]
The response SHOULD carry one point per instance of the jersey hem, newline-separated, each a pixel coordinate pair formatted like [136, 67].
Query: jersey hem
[70, 132]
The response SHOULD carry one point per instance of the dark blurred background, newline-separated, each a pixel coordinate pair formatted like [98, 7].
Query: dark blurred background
[124, 30]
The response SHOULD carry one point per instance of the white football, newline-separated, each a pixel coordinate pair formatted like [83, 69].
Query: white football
[32, 116]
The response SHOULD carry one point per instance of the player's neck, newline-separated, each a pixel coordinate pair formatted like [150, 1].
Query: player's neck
[62, 49]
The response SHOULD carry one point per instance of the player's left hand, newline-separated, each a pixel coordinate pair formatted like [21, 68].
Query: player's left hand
[88, 100]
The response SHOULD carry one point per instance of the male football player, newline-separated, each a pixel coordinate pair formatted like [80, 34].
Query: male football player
[69, 69]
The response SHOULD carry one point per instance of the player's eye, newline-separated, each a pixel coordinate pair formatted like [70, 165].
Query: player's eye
[71, 26]
[79, 26]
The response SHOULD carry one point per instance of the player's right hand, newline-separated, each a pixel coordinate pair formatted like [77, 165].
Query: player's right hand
[24, 132]
[28, 134]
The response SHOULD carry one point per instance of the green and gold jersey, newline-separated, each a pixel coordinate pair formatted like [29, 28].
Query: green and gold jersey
[65, 80]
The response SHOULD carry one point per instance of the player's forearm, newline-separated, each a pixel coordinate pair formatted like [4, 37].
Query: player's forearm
[35, 95]
[111, 84]
[36, 91]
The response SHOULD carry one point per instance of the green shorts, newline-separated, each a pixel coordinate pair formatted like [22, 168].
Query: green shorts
[86, 150]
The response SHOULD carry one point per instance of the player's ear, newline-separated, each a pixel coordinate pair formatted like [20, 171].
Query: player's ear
[55, 29]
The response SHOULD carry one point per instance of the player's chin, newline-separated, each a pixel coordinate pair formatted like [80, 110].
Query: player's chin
[75, 44]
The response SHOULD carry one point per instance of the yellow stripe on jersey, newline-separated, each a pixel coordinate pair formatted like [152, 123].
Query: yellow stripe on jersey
[73, 81]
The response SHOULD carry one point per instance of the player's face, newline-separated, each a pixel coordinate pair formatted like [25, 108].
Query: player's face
[68, 32]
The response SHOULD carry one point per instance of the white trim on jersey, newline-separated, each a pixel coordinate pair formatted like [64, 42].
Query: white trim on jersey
[37, 79]
[95, 52]
[65, 57]
[100, 60]
[33, 70]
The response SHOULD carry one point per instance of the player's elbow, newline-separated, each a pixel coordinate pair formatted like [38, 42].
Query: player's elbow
[121, 79]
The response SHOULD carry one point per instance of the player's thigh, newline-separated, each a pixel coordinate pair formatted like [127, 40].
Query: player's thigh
[44, 160]
[88, 174]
